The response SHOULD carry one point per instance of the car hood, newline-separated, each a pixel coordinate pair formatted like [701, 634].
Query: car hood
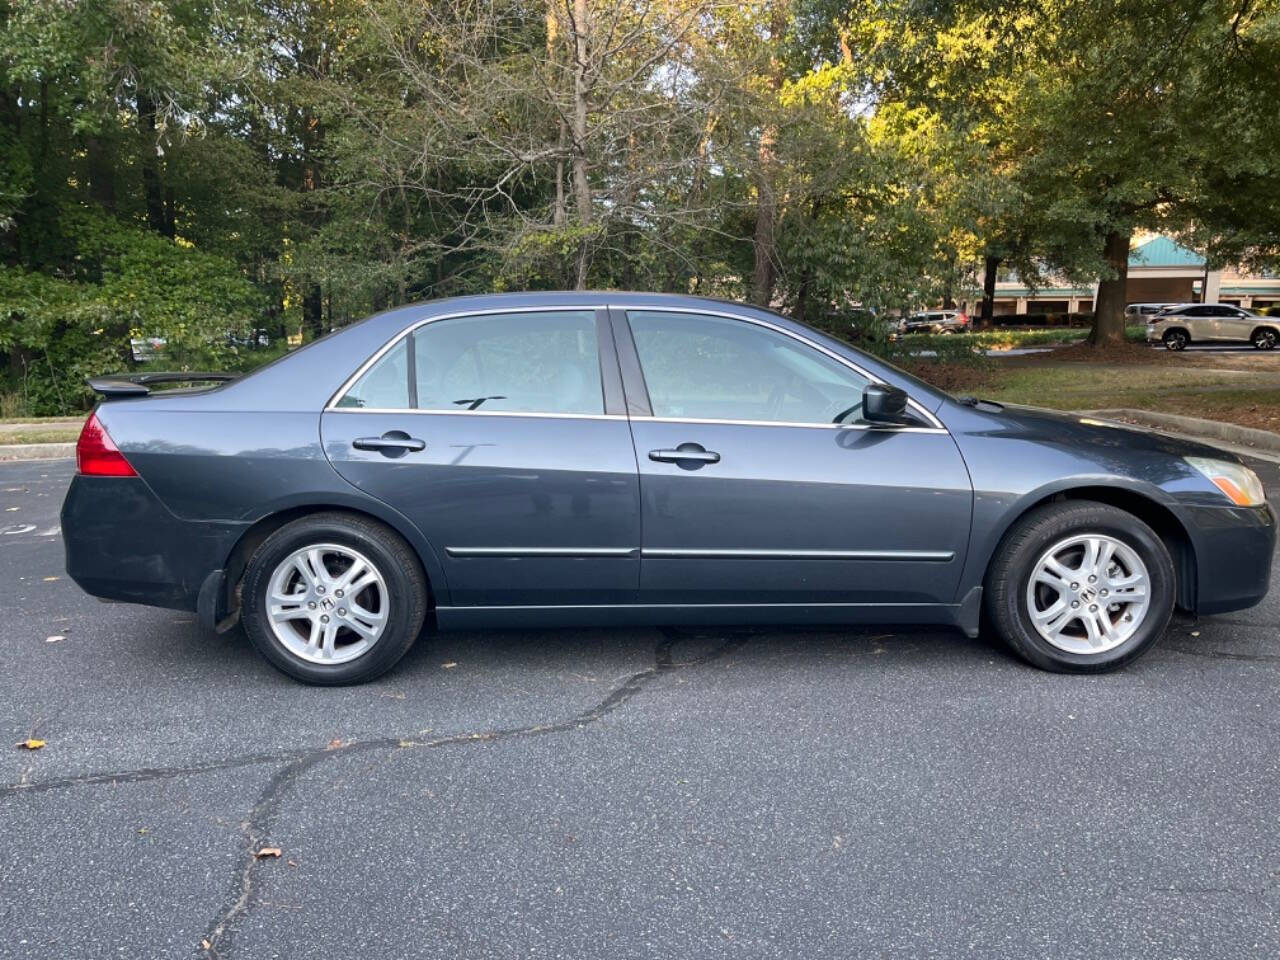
[1063, 427]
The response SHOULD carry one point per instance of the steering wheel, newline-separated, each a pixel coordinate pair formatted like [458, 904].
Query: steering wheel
[795, 386]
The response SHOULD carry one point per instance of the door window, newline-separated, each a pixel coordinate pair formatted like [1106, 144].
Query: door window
[385, 385]
[505, 363]
[701, 367]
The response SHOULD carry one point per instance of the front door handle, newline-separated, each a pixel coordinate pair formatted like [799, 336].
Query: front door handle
[393, 443]
[686, 453]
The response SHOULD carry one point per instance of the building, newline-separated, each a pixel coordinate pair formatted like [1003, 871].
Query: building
[1161, 270]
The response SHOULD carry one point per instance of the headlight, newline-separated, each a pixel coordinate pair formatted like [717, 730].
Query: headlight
[1238, 482]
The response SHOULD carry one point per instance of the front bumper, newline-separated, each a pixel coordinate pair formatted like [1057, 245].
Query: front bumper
[123, 544]
[1234, 548]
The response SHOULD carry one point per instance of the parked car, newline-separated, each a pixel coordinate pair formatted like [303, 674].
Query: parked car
[1178, 326]
[937, 321]
[1139, 312]
[608, 458]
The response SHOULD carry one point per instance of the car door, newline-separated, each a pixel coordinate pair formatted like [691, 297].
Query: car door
[1234, 324]
[1201, 322]
[760, 484]
[503, 437]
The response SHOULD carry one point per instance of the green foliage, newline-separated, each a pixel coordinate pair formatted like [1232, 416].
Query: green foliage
[58, 330]
[195, 171]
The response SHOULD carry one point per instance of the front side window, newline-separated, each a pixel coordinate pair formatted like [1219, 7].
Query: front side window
[497, 363]
[713, 368]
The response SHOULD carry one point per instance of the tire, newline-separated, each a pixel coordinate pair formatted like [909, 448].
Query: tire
[1176, 340]
[1010, 591]
[1264, 338]
[390, 608]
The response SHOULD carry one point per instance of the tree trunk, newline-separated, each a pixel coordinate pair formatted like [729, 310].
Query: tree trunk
[313, 311]
[581, 85]
[152, 182]
[102, 184]
[1108, 311]
[562, 132]
[763, 272]
[990, 265]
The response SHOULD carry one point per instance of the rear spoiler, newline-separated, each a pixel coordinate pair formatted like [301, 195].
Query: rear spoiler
[139, 384]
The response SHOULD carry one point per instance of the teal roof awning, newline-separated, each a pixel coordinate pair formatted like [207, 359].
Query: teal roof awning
[1164, 252]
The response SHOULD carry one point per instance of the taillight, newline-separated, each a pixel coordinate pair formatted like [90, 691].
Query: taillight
[97, 454]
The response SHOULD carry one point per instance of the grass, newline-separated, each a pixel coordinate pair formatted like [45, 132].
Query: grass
[9, 438]
[1242, 389]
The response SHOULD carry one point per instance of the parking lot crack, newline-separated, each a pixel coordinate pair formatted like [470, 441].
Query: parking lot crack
[257, 827]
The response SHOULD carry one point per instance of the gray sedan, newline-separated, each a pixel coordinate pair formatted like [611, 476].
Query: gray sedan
[606, 458]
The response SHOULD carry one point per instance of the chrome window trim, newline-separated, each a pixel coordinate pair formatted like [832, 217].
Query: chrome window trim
[479, 413]
[866, 374]
[332, 405]
[390, 344]
[887, 427]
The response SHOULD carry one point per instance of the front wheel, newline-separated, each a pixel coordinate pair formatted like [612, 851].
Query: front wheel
[1176, 340]
[1080, 587]
[1265, 339]
[333, 598]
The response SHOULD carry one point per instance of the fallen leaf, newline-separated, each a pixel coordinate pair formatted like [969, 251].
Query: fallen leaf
[1195, 633]
[267, 852]
[50, 579]
[292, 863]
[205, 944]
[450, 665]
[31, 743]
[55, 638]
[334, 744]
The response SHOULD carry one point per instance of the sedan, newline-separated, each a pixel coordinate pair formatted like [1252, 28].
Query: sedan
[578, 459]
[937, 321]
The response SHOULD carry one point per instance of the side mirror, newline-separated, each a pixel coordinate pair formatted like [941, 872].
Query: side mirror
[882, 403]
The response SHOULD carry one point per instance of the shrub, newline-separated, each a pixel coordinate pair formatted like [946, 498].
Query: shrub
[57, 330]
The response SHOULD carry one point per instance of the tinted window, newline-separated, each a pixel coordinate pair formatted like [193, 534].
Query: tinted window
[385, 385]
[1198, 312]
[520, 362]
[713, 368]
[513, 363]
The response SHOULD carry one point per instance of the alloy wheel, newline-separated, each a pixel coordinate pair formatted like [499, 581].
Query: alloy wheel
[1088, 594]
[327, 603]
[1265, 339]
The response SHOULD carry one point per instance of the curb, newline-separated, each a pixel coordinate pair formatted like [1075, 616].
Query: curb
[1196, 427]
[37, 451]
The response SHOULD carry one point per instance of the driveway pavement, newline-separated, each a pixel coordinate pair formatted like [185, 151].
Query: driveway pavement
[624, 794]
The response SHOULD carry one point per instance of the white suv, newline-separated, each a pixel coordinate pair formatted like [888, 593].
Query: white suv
[1176, 327]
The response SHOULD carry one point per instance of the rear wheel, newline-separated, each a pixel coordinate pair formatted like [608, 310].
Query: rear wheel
[334, 598]
[1264, 338]
[1176, 340]
[1080, 587]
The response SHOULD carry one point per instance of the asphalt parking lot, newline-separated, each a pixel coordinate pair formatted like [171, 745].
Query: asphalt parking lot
[624, 794]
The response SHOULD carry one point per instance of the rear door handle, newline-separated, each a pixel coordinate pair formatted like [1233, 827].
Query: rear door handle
[392, 443]
[686, 452]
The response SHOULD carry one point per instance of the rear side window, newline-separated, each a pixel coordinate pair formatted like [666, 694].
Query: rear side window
[385, 385]
[496, 363]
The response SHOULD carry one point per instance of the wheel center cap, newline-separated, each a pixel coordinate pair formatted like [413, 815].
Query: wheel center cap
[326, 604]
[1088, 594]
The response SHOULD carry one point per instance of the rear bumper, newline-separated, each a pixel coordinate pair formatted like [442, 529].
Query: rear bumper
[1234, 550]
[123, 544]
